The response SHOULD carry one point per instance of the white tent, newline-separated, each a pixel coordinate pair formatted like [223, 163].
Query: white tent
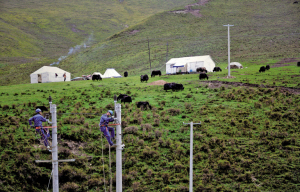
[49, 74]
[189, 64]
[235, 65]
[111, 73]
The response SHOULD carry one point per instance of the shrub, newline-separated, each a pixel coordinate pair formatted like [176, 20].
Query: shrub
[257, 105]
[132, 129]
[147, 126]
[158, 133]
[109, 106]
[156, 122]
[166, 118]
[223, 164]
[188, 106]
[136, 186]
[141, 142]
[276, 116]
[5, 107]
[173, 111]
[155, 115]
[70, 186]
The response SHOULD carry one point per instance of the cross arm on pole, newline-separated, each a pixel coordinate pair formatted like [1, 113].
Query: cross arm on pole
[190, 123]
[228, 25]
[50, 161]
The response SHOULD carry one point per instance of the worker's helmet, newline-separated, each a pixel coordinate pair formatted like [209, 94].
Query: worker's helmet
[111, 112]
[38, 110]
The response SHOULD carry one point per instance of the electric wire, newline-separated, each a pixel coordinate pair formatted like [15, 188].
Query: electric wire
[103, 164]
[49, 180]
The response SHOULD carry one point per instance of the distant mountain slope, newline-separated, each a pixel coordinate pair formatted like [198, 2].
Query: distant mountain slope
[262, 30]
[33, 30]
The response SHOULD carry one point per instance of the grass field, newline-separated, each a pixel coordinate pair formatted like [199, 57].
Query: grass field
[248, 139]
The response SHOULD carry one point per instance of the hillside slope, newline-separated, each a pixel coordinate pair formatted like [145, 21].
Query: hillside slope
[40, 32]
[263, 30]
[248, 139]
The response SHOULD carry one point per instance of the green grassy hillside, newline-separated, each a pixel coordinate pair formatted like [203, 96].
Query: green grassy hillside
[263, 31]
[248, 139]
[37, 33]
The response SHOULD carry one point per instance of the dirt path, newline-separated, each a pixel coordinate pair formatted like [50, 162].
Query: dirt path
[286, 62]
[217, 84]
[188, 8]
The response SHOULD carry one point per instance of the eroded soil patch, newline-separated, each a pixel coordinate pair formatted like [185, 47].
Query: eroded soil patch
[286, 62]
[188, 8]
[217, 84]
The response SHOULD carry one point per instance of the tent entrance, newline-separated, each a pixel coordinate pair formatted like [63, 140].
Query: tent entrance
[39, 78]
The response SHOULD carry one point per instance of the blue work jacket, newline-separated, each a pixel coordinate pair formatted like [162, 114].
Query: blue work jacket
[105, 120]
[37, 119]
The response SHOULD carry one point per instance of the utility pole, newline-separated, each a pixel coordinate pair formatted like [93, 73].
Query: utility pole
[149, 54]
[191, 153]
[54, 160]
[228, 47]
[167, 52]
[119, 147]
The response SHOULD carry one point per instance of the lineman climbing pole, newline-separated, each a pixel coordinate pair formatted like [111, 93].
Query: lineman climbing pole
[191, 154]
[119, 147]
[54, 160]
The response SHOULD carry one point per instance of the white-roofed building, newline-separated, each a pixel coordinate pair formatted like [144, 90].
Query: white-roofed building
[235, 65]
[111, 73]
[189, 64]
[48, 74]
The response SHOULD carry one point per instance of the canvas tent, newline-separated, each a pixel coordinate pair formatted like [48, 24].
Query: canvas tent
[111, 73]
[235, 65]
[189, 64]
[48, 74]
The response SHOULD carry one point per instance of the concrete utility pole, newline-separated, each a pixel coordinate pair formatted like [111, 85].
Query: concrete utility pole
[54, 160]
[119, 147]
[191, 153]
[167, 52]
[228, 47]
[149, 55]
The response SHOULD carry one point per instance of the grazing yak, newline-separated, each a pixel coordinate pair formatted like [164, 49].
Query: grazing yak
[217, 69]
[125, 74]
[267, 67]
[96, 77]
[201, 69]
[298, 64]
[121, 96]
[173, 86]
[144, 104]
[203, 76]
[126, 99]
[144, 78]
[262, 69]
[155, 73]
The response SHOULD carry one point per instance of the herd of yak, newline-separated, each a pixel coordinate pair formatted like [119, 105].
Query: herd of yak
[174, 86]
[168, 86]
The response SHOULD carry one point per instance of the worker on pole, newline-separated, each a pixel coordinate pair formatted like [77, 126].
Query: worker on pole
[38, 120]
[105, 119]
